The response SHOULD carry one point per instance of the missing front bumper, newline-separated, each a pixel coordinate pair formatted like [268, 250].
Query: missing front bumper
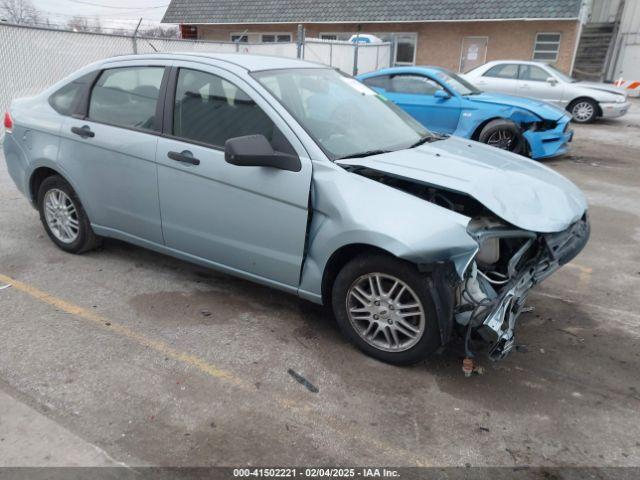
[497, 323]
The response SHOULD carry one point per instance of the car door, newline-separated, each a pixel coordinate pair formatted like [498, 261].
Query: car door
[249, 220]
[416, 94]
[109, 150]
[533, 82]
[501, 78]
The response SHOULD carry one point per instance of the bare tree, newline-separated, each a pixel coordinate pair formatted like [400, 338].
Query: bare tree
[83, 24]
[159, 32]
[21, 12]
[78, 24]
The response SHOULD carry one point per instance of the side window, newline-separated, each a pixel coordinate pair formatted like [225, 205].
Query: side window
[413, 84]
[533, 73]
[127, 97]
[506, 70]
[65, 100]
[381, 81]
[209, 109]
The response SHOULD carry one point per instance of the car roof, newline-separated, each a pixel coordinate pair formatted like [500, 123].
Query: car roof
[524, 62]
[430, 69]
[249, 62]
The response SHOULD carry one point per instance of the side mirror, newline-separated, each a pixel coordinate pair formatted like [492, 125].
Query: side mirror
[441, 94]
[552, 81]
[256, 151]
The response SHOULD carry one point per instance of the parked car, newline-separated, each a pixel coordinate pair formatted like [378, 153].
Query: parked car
[225, 161]
[365, 38]
[446, 103]
[586, 101]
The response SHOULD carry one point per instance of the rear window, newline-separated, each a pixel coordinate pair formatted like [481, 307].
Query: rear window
[506, 70]
[66, 99]
[127, 97]
[381, 81]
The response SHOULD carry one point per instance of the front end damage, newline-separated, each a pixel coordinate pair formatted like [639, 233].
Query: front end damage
[482, 306]
[509, 263]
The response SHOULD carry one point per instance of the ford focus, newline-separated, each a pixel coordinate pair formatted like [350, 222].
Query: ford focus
[296, 176]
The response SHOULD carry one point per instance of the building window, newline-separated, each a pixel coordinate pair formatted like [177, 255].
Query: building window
[546, 47]
[276, 38]
[406, 49]
[328, 36]
[239, 38]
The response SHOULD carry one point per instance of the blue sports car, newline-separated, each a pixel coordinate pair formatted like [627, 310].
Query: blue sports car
[446, 103]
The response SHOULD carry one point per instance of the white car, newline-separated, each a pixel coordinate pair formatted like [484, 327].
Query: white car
[586, 101]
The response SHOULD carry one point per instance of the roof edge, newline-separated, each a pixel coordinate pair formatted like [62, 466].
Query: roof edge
[340, 22]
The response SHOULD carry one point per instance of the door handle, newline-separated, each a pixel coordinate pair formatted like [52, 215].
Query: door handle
[184, 157]
[84, 131]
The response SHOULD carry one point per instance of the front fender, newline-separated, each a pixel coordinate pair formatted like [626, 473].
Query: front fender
[473, 120]
[351, 209]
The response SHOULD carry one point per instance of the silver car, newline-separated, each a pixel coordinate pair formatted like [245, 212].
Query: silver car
[295, 176]
[586, 101]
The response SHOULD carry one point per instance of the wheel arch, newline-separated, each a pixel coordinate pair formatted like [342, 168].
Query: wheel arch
[442, 278]
[37, 177]
[339, 259]
[44, 170]
[476, 133]
[585, 97]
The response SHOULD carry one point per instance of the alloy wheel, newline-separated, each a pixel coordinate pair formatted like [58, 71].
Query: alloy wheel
[61, 216]
[583, 111]
[385, 312]
[503, 139]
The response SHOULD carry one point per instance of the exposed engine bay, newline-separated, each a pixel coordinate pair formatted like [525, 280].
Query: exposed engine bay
[489, 299]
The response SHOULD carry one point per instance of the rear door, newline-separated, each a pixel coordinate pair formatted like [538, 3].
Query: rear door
[249, 220]
[415, 94]
[501, 78]
[110, 150]
[533, 82]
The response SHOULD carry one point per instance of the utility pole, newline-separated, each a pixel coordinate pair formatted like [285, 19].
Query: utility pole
[355, 52]
[300, 40]
[135, 34]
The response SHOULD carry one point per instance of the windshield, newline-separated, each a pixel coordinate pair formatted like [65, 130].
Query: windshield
[456, 82]
[562, 76]
[345, 117]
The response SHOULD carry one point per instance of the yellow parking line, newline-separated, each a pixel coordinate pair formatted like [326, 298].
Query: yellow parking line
[123, 330]
[335, 423]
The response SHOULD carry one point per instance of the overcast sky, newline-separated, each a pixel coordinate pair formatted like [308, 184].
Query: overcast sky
[110, 12]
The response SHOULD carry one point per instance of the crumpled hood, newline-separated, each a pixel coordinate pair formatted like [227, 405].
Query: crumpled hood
[603, 87]
[518, 190]
[544, 110]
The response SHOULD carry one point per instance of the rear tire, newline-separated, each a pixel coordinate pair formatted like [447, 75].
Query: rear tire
[584, 110]
[503, 134]
[378, 317]
[63, 216]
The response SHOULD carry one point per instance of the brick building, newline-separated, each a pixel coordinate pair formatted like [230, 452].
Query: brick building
[456, 34]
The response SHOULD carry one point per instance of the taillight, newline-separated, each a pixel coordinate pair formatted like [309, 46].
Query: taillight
[8, 122]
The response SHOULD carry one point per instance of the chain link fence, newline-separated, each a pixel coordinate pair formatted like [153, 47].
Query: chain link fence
[33, 58]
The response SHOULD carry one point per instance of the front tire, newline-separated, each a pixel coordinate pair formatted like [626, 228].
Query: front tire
[584, 110]
[63, 216]
[503, 134]
[383, 306]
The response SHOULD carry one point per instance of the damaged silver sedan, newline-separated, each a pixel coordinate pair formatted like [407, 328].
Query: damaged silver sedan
[295, 176]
